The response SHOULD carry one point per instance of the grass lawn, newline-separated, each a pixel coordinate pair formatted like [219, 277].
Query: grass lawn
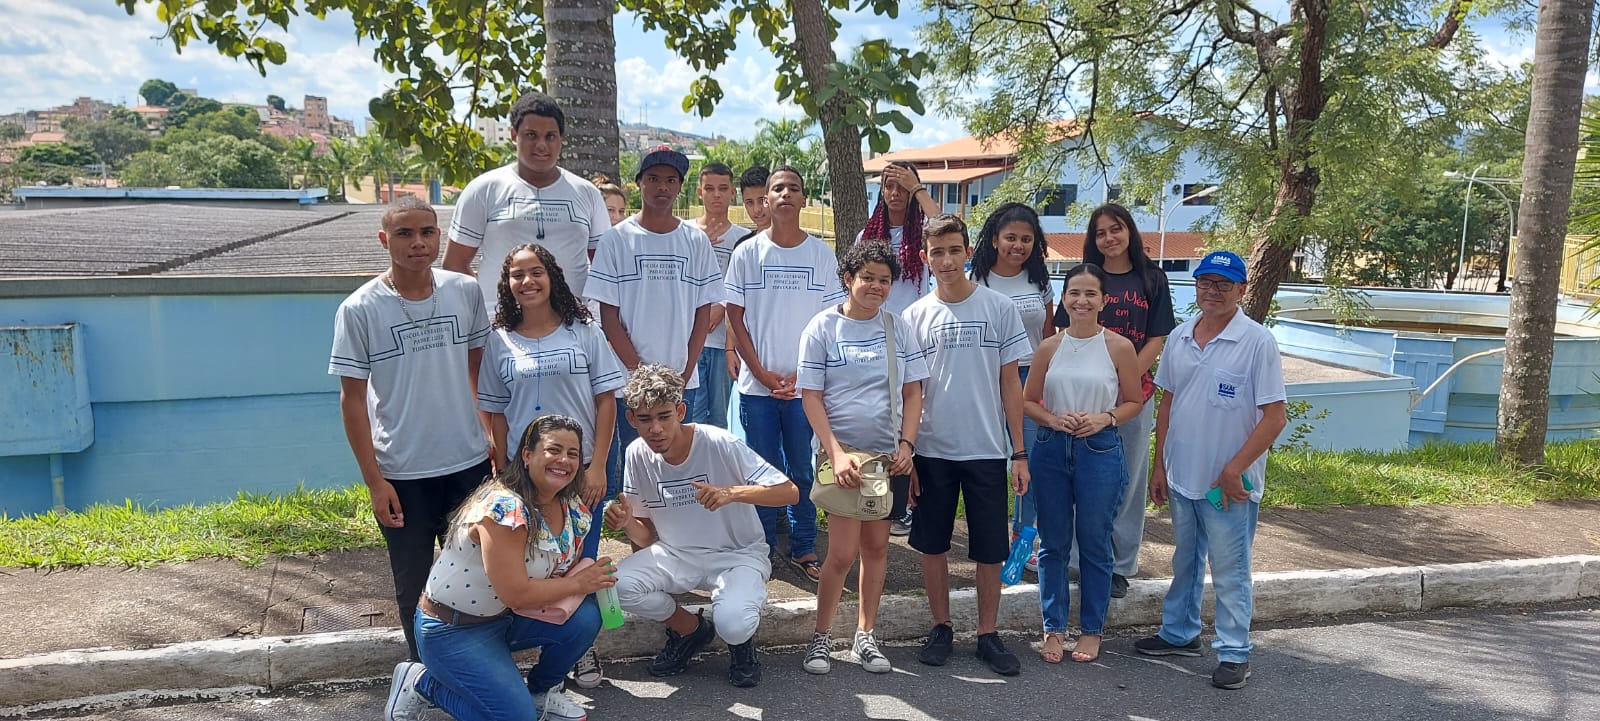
[253, 527]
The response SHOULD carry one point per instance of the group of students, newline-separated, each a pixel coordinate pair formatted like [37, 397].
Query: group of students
[600, 388]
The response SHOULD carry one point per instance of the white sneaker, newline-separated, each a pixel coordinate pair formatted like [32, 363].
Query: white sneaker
[586, 673]
[405, 703]
[818, 660]
[553, 705]
[865, 648]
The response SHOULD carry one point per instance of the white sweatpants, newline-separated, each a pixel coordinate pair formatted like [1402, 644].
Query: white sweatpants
[736, 579]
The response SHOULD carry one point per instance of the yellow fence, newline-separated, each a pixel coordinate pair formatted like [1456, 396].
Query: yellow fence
[1580, 269]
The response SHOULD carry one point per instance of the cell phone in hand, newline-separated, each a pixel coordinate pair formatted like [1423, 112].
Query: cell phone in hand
[1215, 494]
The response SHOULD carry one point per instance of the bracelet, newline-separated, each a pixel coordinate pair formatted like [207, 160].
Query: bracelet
[920, 189]
[909, 444]
[1113, 418]
[1019, 456]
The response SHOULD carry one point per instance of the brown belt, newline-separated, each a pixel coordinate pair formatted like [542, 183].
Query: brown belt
[451, 616]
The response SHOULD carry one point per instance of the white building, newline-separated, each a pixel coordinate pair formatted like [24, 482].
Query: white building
[494, 130]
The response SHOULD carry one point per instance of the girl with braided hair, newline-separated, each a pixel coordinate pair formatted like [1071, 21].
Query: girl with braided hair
[903, 205]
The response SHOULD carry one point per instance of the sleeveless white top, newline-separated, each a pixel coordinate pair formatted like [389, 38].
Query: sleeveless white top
[1082, 378]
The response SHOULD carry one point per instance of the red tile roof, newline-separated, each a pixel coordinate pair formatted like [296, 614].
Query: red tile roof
[1180, 244]
[971, 148]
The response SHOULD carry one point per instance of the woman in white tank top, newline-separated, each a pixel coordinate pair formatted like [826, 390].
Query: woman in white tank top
[1085, 382]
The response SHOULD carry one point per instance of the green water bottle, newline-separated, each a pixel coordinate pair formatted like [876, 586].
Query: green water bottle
[610, 607]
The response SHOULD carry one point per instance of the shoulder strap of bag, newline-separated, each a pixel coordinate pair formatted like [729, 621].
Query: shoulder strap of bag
[894, 367]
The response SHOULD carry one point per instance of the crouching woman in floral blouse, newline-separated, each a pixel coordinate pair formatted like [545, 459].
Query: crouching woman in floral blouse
[513, 544]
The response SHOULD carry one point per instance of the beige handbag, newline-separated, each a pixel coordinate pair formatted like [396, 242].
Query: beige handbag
[870, 501]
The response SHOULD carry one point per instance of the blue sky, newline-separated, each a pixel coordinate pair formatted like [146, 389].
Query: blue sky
[56, 50]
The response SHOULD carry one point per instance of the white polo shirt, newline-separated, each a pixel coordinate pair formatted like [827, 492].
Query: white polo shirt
[1217, 395]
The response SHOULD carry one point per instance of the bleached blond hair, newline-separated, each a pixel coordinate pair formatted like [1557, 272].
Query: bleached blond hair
[653, 385]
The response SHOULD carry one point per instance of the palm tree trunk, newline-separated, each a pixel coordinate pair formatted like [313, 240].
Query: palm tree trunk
[1550, 152]
[841, 140]
[580, 70]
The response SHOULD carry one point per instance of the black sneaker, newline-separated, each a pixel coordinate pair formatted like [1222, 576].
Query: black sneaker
[936, 650]
[901, 526]
[1230, 675]
[1158, 646]
[674, 657]
[744, 669]
[992, 652]
[1119, 585]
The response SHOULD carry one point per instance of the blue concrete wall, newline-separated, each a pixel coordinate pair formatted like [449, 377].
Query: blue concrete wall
[200, 387]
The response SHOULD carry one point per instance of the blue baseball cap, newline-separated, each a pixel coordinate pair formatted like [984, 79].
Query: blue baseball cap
[1223, 263]
[664, 155]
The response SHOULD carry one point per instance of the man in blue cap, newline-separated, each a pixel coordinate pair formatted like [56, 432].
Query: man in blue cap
[1222, 406]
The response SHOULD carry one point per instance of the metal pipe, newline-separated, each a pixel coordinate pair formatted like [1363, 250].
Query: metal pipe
[1416, 398]
[58, 483]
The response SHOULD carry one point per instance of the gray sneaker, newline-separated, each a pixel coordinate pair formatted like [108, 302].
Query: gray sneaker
[902, 525]
[405, 702]
[1230, 675]
[865, 649]
[818, 659]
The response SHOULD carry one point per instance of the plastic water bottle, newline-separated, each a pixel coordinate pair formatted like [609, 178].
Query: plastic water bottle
[1020, 550]
[610, 607]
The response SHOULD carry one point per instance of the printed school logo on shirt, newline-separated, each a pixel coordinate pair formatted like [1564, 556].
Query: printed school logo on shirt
[791, 278]
[434, 333]
[677, 493]
[662, 267]
[961, 334]
[1226, 389]
[856, 351]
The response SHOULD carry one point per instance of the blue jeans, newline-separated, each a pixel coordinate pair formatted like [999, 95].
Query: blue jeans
[779, 431]
[711, 402]
[1200, 533]
[1025, 511]
[1079, 483]
[625, 434]
[470, 673]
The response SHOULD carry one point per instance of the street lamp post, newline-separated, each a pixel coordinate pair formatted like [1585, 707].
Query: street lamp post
[1511, 218]
[1163, 224]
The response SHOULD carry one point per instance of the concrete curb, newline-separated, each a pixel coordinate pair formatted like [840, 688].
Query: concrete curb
[69, 678]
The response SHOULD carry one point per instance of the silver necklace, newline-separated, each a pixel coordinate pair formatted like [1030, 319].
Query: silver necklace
[1079, 344]
[433, 307]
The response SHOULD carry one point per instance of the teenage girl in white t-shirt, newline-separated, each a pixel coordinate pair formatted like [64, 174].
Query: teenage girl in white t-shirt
[1009, 257]
[844, 387]
[511, 544]
[1085, 383]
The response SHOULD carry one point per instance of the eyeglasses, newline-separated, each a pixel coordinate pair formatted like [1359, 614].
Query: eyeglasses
[1221, 286]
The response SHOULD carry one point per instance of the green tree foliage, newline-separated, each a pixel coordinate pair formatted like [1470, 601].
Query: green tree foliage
[1411, 240]
[1306, 112]
[54, 163]
[224, 161]
[158, 92]
[10, 132]
[276, 103]
[151, 169]
[187, 108]
[240, 121]
[112, 140]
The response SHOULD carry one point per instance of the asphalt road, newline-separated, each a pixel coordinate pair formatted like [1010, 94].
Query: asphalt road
[1504, 664]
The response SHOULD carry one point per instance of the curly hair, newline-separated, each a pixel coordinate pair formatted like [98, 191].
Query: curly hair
[653, 385]
[517, 480]
[987, 252]
[864, 252]
[508, 312]
[911, 233]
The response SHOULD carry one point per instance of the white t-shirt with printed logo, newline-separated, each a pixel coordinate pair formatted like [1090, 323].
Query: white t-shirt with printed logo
[1032, 302]
[499, 211]
[847, 360]
[1217, 393]
[657, 281]
[965, 344]
[560, 373]
[723, 247]
[664, 493]
[780, 290]
[420, 405]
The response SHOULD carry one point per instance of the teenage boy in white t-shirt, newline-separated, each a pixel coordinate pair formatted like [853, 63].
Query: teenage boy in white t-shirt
[686, 504]
[716, 380]
[406, 348]
[657, 281]
[776, 282]
[972, 338]
[531, 200]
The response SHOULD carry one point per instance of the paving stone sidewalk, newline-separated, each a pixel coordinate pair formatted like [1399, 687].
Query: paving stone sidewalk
[128, 609]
